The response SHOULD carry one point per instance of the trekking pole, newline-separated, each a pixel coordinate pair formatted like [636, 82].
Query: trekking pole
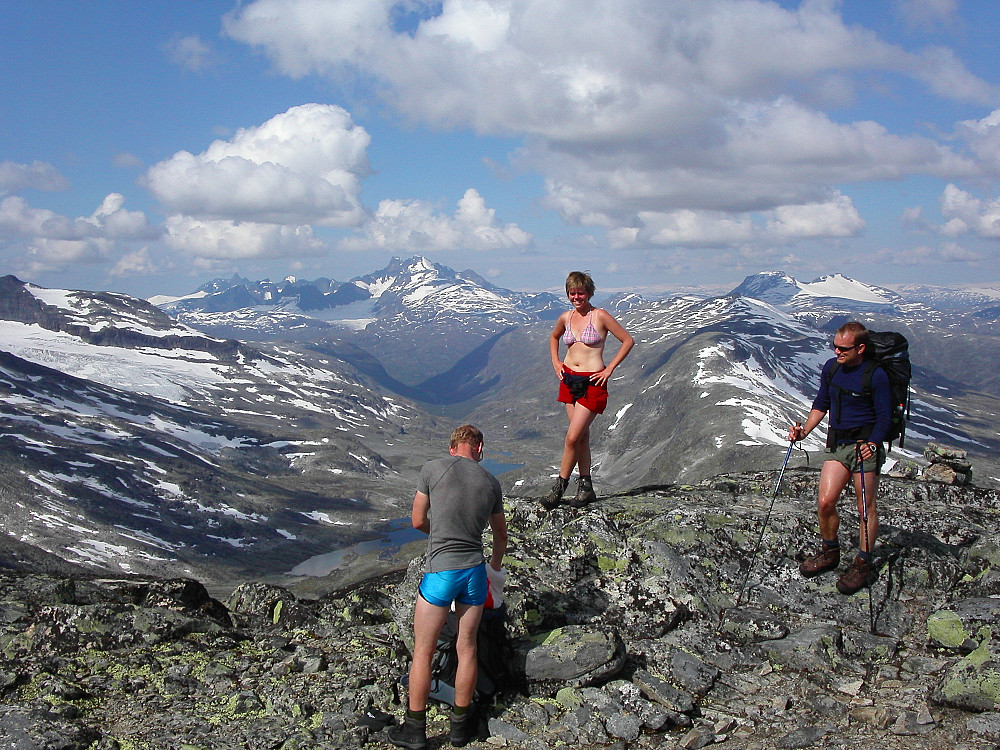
[864, 525]
[763, 527]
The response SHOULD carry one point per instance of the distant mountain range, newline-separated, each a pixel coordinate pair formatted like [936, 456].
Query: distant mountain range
[247, 427]
[403, 287]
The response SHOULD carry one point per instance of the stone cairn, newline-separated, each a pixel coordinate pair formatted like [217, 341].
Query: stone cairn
[946, 465]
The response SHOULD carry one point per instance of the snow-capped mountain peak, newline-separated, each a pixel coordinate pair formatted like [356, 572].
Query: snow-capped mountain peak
[778, 288]
[842, 287]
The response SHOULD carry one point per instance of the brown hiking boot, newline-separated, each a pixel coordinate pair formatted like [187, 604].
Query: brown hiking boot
[826, 559]
[552, 499]
[584, 492]
[857, 577]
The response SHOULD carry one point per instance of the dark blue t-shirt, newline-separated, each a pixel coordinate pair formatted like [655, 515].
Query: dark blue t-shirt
[855, 409]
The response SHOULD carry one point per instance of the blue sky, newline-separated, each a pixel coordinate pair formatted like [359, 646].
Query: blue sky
[147, 147]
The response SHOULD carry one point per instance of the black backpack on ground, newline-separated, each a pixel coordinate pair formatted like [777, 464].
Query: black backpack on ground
[890, 351]
[493, 651]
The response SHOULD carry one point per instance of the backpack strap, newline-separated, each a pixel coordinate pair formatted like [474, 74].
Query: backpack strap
[866, 382]
[831, 384]
[831, 434]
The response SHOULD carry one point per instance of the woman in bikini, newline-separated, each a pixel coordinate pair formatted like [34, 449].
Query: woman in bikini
[583, 379]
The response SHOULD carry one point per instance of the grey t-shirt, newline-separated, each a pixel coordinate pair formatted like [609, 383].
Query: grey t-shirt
[463, 496]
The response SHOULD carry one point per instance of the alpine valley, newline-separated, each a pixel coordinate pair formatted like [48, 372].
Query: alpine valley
[267, 430]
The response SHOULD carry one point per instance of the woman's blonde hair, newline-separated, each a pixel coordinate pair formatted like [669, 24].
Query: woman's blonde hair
[580, 280]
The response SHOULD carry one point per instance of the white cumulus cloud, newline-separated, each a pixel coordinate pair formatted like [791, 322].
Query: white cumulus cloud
[833, 218]
[15, 177]
[657, 120]
[136, 263]
[966, 213]
[259, 193]
[109, 221]
[218, 239]
[415, 226]
[190, 52]
[39, 240]
[301, 166]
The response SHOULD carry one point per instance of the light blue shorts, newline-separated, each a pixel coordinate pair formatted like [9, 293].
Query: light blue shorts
[465, 586]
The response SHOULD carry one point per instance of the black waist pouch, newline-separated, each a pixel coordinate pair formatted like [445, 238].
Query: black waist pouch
[839, 437]
[577, 384]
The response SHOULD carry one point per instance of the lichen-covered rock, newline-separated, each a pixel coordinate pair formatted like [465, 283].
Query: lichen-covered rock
[27, 729]
[944, 474]
[904, 468]
[657, 689]
[752, 625]
[973, 682]
[635, 595]
[267, 605]
[810, 649]
[575, 655]
[935, 451]
[964, 625]
[986, 725]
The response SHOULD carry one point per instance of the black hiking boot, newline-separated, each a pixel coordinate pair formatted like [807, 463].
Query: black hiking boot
[826, 559]
[552, 499]
[857, 577]
[412, 734]
[584, 492]
[464, 728]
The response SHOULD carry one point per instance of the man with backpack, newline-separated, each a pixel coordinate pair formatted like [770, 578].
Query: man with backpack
[455, 500]
[858, 396]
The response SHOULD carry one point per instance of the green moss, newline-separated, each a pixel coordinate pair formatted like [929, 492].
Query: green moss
[276, 613]
[127, 744]
[86, 625]
[315, 721]
[716, 521]
[569, 699]
[551, 637]
[605, 564]
[946, 627]
[983, 653]
[683, 537]
[985, 686]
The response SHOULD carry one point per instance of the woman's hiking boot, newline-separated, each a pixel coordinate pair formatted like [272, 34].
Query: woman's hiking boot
[464, 728]
[826, 559]
[552, 499]
[584, 492]
[857, 577]
[412, 734]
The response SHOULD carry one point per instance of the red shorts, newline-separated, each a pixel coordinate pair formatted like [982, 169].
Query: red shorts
[595, 399]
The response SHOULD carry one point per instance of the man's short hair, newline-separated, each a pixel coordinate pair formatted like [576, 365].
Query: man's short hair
[857, 331]
[466, 434]
[580, 280]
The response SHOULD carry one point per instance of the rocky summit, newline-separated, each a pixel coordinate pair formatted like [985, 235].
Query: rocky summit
[643, 620]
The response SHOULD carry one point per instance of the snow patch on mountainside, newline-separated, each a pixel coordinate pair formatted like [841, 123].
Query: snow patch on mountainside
[842, 287]
[765, 402]
[167, 374]
[163, 299]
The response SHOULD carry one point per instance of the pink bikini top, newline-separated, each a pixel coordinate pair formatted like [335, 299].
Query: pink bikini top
[588, 335]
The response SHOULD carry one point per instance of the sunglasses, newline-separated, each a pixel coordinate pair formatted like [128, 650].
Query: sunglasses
[837, 348]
